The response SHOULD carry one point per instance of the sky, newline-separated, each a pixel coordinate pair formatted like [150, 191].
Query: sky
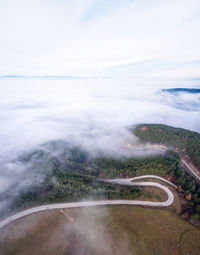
[148, 39]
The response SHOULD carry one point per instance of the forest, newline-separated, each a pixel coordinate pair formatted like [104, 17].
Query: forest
[186, 141]
[73, 175]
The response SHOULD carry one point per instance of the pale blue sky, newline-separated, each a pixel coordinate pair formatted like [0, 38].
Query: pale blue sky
[99, 38]
[99, 8]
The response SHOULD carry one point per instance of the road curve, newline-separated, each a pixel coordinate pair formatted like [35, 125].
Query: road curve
[128, 181]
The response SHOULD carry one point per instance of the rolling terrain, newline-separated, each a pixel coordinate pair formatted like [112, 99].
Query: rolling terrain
[75, 179]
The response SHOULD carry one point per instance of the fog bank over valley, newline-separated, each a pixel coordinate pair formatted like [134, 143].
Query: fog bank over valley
[33, 111]
[93, 114]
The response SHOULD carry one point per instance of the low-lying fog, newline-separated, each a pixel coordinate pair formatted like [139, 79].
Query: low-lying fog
[89, 111]
[93, 113]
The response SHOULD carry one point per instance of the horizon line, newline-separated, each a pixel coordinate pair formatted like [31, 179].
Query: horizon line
[12, 76]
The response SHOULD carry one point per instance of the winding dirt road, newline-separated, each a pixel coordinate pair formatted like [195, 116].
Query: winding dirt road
[128, 181]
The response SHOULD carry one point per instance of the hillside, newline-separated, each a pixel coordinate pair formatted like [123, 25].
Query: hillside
[186, 142]
[71, 174]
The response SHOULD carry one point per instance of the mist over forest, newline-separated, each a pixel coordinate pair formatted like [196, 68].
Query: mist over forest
[93, 114]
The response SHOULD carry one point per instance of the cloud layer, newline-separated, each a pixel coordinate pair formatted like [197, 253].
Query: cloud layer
[38, 110]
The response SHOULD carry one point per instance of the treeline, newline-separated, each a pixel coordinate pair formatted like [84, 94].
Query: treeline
[188, 142]
[129, 167]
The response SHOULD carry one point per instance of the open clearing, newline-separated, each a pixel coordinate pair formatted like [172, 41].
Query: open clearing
[101, 230]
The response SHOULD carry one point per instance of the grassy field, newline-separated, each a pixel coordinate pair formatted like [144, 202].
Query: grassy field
[101, 230]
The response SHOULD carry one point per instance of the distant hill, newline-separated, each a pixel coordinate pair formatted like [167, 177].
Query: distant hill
[187, 90]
